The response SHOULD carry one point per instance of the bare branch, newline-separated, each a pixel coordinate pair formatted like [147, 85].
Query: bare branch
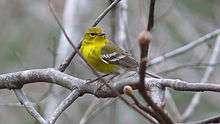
[176, 114]
[146, 109]
[93, 111]
[185, 48]
[196, 98]
[212, 120]
[12, 81]
[186, 86]
[71, 23]
[195, 65]
[102, 15]
[15, 105]
[28, 105]
[151, 16]
[64, 105]
[151, 115]
[54, 76]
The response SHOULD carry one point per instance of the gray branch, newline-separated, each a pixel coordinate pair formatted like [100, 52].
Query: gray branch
[64, 105]
[185, 48]
[28, 106]
[50, 75]
[80, 87]
[196, 98]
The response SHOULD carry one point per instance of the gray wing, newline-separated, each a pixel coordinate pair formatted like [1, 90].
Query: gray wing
[112, 54]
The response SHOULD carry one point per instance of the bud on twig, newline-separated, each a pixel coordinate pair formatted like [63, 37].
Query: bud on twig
[128, 90]
[144, 38]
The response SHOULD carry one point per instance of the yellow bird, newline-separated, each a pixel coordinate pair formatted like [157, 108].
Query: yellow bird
[103, 55]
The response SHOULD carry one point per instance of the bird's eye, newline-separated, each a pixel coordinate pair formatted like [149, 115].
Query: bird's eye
[92, 34]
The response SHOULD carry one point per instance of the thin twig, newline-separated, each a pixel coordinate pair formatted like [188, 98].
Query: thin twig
[67, 37]
[63, 105]
[28, 105]
[176, 113]
[147, 110]
[151, 16]
[14, 105]
[197, 65]
[94, 111]
[184, 49]
[212, 120]
[142, 112]
[196, 98]
[102, 15]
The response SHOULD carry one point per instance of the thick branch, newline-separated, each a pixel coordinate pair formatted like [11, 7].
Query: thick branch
[12, 81]
[17, 79]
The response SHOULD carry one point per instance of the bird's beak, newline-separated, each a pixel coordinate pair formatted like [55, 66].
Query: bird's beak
[101, 34]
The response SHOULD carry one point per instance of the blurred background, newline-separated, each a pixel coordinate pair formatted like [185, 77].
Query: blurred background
[29, 39]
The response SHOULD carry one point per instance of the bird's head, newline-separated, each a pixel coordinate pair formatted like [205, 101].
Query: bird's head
[93, 33]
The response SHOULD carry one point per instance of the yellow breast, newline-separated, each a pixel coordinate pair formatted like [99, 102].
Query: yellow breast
[92, 53]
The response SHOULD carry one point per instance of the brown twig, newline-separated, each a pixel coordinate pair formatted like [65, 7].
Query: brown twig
[151, 16]
[143, 110]
[129, 91]
[147, 110]
[144, 40]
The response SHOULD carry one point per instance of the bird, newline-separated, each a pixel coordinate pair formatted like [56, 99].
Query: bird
[104, 55]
